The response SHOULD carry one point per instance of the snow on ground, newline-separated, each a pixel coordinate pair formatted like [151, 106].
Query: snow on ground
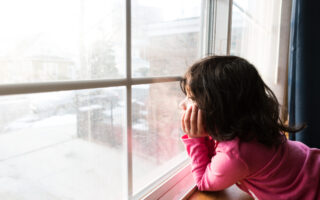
[47, 161]
[40, 134]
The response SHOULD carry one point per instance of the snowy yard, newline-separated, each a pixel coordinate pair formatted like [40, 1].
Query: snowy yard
[47, 161]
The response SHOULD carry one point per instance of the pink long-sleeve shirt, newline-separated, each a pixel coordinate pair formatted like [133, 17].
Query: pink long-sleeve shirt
[291, 171]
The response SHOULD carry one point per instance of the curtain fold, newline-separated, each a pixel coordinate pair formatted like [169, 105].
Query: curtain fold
[304, 71]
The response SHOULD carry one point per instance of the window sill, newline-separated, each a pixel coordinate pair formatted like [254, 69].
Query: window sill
[176, 187]
[227, 194]
[182, 186]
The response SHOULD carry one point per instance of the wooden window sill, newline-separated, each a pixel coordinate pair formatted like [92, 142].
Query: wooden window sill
[185, 189]
[231, 193]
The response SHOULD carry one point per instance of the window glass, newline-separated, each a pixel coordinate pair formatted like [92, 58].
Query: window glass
[43, 40]
[62, 145]
[255, 36]
[165, 36]
[156, 131]
[69, 145]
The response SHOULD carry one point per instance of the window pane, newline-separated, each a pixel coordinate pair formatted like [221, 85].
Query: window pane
[165, 36]
[62, 145]
[44, 40]
[156, 131]
[255, 35]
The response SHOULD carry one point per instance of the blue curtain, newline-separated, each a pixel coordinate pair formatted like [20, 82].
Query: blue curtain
[304, 71]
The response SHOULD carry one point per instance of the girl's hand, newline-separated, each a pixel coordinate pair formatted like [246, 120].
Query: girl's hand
[192, 122]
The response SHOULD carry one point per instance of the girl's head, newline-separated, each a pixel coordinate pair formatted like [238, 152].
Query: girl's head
[234, 100]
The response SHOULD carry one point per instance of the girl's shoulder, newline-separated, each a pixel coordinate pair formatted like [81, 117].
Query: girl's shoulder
[252, 153]
[230, 146]
[237, 145]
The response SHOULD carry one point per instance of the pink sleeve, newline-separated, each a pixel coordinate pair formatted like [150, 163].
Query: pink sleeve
[211, 147]
[213, 172]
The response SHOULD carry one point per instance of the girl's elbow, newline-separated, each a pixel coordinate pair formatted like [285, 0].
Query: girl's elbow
[208, 187]
[204, 185]
[203, 188]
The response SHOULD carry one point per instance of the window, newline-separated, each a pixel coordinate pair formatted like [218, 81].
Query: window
[89, 89]
[62, 145]
[256, 36]
[89, 102]
[165, 40]
[51, 41]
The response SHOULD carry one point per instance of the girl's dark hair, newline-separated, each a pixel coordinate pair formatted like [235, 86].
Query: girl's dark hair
[235, 101]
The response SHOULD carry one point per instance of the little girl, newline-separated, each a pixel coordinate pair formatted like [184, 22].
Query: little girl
[234, 134]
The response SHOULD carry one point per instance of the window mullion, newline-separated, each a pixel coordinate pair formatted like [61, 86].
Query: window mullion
[229, 27]
[127, 142]
[26, 88]
[221, 26]
[207, 40]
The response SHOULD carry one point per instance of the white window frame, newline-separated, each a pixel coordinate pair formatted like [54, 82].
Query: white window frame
[214, 13]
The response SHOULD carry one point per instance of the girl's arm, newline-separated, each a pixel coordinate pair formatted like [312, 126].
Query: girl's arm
[213, 173]
[211, 170]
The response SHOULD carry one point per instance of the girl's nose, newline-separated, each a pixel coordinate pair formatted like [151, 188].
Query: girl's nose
[183, 104]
